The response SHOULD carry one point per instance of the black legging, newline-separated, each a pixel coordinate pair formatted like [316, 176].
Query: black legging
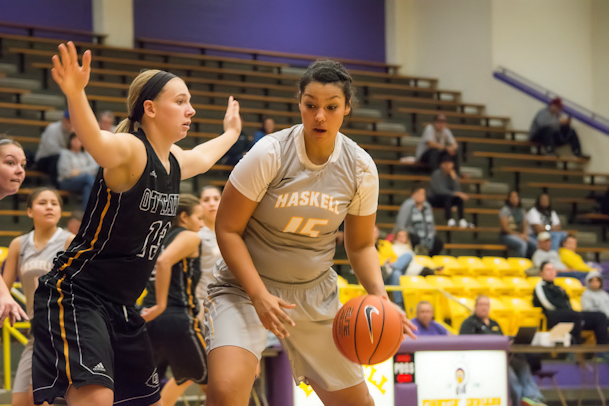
[447, 202]
[436, 248]
[432, 157]
[550, 138]
[595, 321]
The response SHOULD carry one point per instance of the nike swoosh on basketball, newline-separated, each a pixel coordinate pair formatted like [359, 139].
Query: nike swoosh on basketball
[368, 310]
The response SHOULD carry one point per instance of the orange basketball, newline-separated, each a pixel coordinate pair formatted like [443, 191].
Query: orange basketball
[368, 330]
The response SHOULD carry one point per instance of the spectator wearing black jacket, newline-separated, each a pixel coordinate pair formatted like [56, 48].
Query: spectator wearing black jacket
[556, 306]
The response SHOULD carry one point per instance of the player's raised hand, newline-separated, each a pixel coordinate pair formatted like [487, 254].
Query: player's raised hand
[67, 72]
[232, 120]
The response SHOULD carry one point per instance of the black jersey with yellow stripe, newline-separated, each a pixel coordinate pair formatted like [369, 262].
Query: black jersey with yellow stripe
[185, 275]
[120, 237]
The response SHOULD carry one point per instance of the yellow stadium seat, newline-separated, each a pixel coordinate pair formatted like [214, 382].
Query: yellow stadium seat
[416, 289]
[572, 286]
[502, 267]
[451, 265]
[445, 283]
[3, 254]
[520, 263]
[503, 315]
[496, 286]
[526, 314]
[533, 280]
[347, 291]
[476, 266]
[470, 286]
[576, 304]
[520, 285]
[460, 309]
[425, 261]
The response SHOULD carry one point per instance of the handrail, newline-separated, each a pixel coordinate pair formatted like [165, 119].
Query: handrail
[8, 331]
[545, 95]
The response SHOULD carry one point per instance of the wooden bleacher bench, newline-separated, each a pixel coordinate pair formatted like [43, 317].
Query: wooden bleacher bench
[391, 148]
[20, 106]
[15, 91]
[22, 213]
[516, 170]
[7, 233]
[31, 29]
[491, 156]
[467, 210]
[426, 112]
[142, 41]
[571, 186]
[391, 99]
[139, 51]
[481, 128]
[598, 218]
[23, 121]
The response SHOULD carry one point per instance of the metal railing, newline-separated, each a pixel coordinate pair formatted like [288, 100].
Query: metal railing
[545, 95]
[8, 331]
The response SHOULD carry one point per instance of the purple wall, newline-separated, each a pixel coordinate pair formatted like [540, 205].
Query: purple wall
[71, 14]
[336, 28]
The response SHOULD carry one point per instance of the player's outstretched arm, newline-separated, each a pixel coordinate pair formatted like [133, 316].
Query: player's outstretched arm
[186, 244]
[233, 215]
[109, 150]
[201, 158]
[359, 244]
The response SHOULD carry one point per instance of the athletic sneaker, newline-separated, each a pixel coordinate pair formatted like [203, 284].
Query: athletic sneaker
[531, 402]
[452, 223]
[465, 224]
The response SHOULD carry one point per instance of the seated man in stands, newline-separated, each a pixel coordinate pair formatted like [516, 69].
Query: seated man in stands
[556, 305]
[416, 217]
[105, 120]
[550, 130]
[522, 386]
[570, 258]
[53, 139]
[544, 253]
[437, 140]
[445, 192]
[427, 326]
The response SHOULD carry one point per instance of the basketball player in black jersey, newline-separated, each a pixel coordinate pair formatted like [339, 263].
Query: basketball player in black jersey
[91, 345]
[171, 306]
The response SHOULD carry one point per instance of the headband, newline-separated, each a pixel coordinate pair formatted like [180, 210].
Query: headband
[150, 91]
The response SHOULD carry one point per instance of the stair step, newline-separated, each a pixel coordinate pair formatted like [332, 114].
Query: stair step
[494, 187]
[472, 171]
[397, 127]
[44, 99]
[369, 113]
[8, 68]
[290, 70]
[587, 237]
[54, 115]
[20, 83]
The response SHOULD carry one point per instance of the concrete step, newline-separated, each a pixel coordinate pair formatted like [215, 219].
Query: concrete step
[8, 68]
[587, 237]
[368, 113]
[290, 70]
[397, 127]
[44, 99]
[527, 201]
[472, 171]
[494, 188]
[54, 115]
[20, 83]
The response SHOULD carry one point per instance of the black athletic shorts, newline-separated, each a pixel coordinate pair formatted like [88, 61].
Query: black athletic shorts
[81, 339]
[177, 340]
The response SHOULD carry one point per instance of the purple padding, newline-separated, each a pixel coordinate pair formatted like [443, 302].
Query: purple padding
[454, 343]
[570, 375]
[406, 394]
[279, 380]
[546, 99]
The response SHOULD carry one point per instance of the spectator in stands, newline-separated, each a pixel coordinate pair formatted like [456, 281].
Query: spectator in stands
[74, 221]
[550, 130]
[570, 258]
[556, 306]
[401, 244]
[53, 139]
[105, 120]
[416, 217]
[522, 385]
[437, 141]
[544, 254]
[77, 169]
[425, 323]
[541, 217]
[268, 126]
[514, 227]
[237, 151]
[445, 192]
[12, 167]
[595, 298]
[392, 265]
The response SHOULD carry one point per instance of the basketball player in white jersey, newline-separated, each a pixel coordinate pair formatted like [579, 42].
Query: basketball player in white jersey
[30, 256]
[276, 228]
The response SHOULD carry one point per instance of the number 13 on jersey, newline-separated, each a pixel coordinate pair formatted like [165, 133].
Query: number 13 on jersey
[307, 229]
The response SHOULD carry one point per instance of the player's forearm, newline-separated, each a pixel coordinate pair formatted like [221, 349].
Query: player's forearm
[366, 266]
[240, 263]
